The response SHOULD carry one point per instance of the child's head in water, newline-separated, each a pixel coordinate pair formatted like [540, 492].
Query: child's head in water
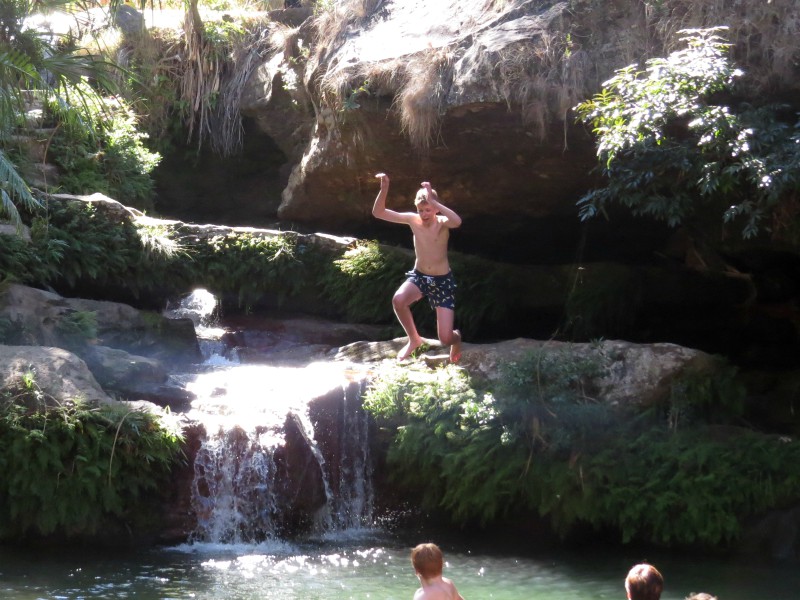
[427, 560]
[644, 582]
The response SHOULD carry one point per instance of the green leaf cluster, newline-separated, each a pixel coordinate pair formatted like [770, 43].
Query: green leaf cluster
[697, 486]
[36, 65]
[111, 158]
[91, 246]
[539, 442]
[73, 469]
[25, 262]
[364, 274]
[251, 266]
[668, 145]
[77, 327]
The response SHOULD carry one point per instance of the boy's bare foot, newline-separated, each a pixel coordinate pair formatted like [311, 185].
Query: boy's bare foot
[455, 348]
[408, 350]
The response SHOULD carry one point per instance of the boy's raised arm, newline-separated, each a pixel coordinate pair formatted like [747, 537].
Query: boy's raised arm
[379, 209]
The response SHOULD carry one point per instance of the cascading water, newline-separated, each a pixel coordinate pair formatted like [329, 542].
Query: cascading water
[201, 307]
[349, 479]
[285, 449]
[353, 503]
[232, 494]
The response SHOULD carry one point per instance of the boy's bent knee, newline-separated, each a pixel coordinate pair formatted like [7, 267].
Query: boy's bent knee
[403, 300]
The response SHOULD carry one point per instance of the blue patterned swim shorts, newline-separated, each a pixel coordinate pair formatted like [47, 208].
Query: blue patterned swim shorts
[438, 289]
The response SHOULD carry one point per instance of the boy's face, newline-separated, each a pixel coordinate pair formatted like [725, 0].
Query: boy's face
[425, 211]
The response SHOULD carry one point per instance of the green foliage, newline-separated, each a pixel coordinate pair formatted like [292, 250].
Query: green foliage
[351, 102]
[541, 442]
[92, 247]
[34, 65]
[251, 265]
[73, 469]
[479, 447]
[665, 142]
[77, 327]
[438, 414]
[27, 262]
[220, 34]
[75, 243]
[548, 399]
[690, 487]
[13, 190]
[115, 162]
[697, 399]
[364, 275]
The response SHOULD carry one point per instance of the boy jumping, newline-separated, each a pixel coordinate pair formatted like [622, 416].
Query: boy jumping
[431, 277]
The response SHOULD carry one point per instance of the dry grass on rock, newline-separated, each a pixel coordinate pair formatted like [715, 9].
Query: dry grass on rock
[540, 61]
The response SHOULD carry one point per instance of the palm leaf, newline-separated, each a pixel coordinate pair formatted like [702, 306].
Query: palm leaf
[13, 187]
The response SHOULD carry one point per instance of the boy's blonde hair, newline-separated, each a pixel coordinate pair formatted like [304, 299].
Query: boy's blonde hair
[427, 560]
[422, 197]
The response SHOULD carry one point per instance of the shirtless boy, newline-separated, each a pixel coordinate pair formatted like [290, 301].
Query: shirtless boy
[428, 562]
[431, 277]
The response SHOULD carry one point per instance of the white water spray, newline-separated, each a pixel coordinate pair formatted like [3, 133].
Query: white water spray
[242, 466]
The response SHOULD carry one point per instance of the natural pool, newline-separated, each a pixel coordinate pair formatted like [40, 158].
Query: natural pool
[366, 565]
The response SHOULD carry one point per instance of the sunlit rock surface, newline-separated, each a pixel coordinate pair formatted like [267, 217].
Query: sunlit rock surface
[54, 374]
[632, 374]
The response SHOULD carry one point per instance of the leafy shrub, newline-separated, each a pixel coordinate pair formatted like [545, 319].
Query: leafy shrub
[77, 327]
[91, 245]
[74, 469]
[115, 162]
[250, 265]
[362, 276]
[478, 446]
[28, 262]
[540, 442]
[666, 141]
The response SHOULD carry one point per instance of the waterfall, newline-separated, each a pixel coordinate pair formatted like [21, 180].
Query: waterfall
[231, 493]
[352, 505]
[201, 307]
[285, 450]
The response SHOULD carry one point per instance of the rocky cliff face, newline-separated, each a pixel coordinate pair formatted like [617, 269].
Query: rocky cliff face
[476, 96]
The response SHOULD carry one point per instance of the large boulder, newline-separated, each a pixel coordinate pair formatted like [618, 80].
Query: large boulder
[627, 373]
[54, 375]
[39, 317]
[132, 377]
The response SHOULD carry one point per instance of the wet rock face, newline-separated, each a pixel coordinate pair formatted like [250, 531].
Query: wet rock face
[300, 481]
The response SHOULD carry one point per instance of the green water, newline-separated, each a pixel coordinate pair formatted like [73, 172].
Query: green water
[363, 567]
